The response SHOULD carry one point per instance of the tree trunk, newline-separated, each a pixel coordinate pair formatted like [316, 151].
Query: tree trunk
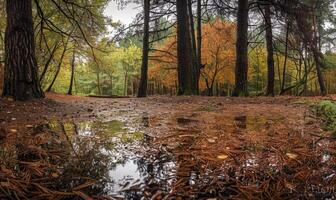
[59, 65]
[193, 46]
[199, 42]
[184, 57]
[270, 59]
[285, 62]
[72, 72]
[318, 57]
[142, 92]
[241, 50]
[125, 84]
[21, 78]
[98, 83]
[47, 64]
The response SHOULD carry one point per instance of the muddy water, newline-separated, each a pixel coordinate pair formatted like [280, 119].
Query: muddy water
[196, 160]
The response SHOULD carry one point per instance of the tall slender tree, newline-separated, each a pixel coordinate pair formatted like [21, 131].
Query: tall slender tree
[199, 40]
[21, 79]
[142, 91]
[72, 78]
[270, 58]
[241, 49]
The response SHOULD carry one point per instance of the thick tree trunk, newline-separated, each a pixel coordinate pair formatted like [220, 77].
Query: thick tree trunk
[142, 91]
[318, 57]
[241, 50]
[193, 46]
[72, 72]
[21, 78]
[270, 58]
[184, 57]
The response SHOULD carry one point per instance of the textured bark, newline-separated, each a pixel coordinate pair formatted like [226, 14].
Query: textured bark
[142, 91]
[184, 57]
[241, 50]
[21, 79]
[318, 57]
[193, 47]
[270, 58]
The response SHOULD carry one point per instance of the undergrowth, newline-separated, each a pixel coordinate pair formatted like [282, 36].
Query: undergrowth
[326, 111]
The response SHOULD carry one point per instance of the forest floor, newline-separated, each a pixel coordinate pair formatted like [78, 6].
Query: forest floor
[165, 147]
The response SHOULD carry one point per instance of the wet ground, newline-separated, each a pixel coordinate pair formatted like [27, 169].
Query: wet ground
[165, 148]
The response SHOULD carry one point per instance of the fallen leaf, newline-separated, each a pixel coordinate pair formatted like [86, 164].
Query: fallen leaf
[210, 140]
[291, 155]
[222, 157]
[13, 130]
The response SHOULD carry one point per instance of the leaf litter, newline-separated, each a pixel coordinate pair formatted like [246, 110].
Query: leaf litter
[254, 148]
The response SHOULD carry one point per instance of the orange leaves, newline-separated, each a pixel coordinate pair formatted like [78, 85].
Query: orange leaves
[218, 53]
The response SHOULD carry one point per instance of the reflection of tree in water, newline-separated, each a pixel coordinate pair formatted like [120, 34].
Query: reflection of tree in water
[177, 173]
[85, 162]
[85, 159]
[156, 170]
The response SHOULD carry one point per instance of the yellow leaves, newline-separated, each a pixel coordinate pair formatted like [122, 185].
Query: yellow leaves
[222, 157]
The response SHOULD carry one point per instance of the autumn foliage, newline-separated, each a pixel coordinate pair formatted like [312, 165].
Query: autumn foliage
[218, 55]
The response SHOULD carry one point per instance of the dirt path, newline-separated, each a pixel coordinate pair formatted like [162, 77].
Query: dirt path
[193, 147]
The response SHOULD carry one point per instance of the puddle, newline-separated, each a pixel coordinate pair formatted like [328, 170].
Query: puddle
[126, 163]
[250, 123]
[116, 151]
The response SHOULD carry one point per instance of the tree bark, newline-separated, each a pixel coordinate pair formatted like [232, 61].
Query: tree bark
[72, 72]
[142, 91]
[199, 42]
[286, 57]
[184, 57]
[193, 46]
[241, 50]
[21, 78]
[318, 57]
[270, 58]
